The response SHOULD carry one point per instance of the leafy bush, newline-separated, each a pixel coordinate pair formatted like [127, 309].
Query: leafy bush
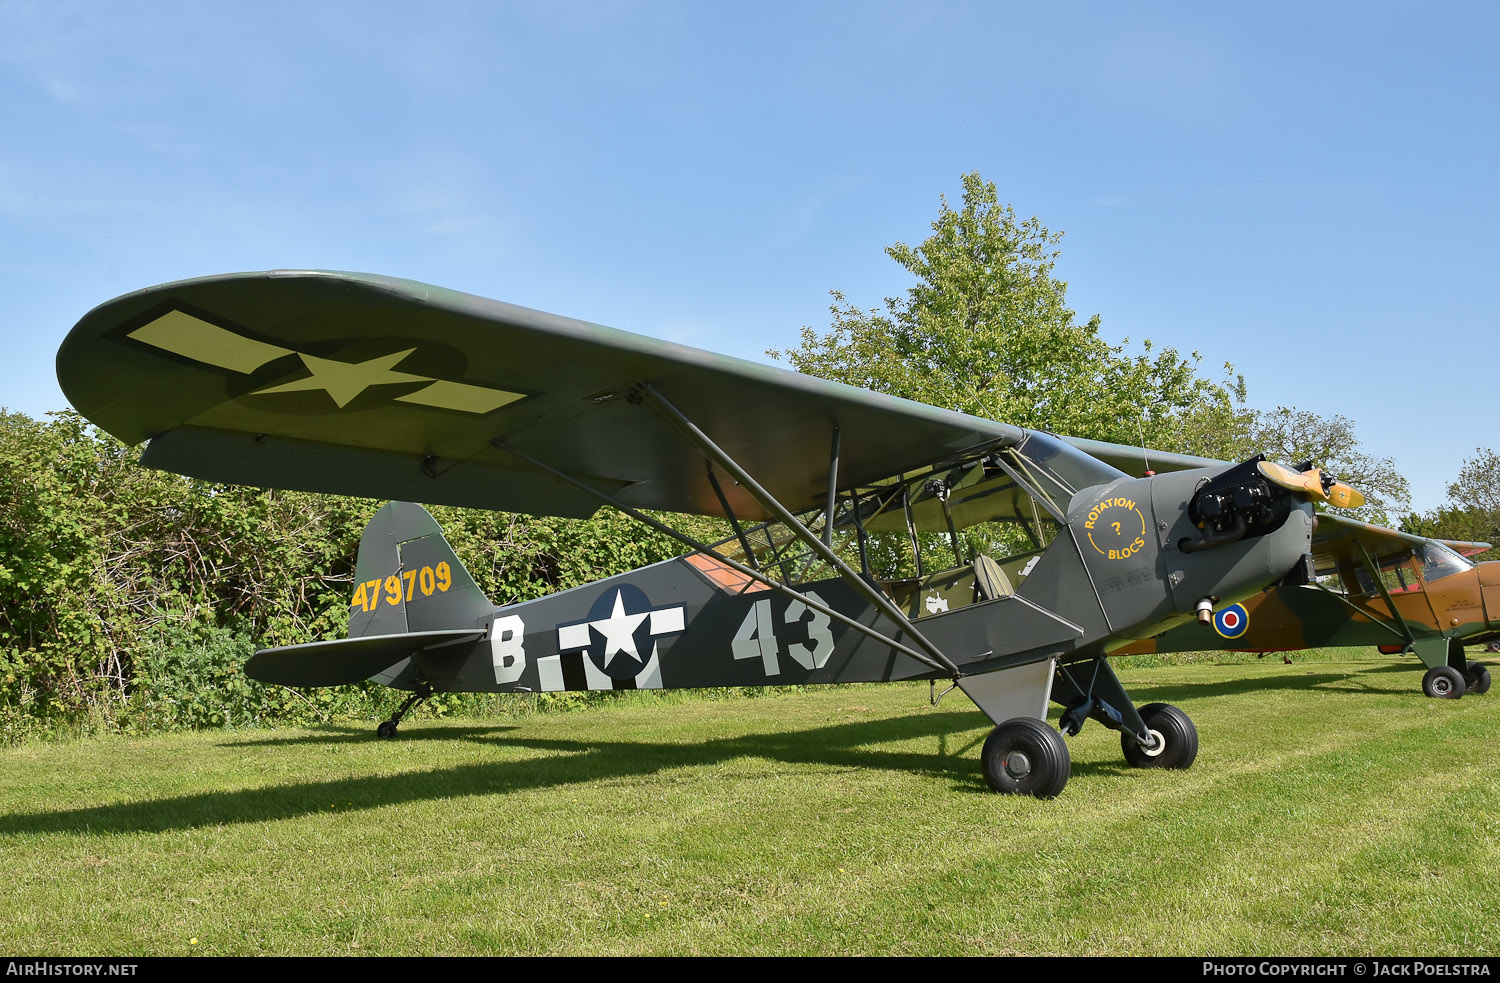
[130, 598]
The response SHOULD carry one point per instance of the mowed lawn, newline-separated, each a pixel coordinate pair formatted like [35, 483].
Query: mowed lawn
[1332, 810]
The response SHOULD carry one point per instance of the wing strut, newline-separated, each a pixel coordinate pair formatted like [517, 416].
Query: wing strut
[1369, 612]
[739, 531]
[716, 454]
[944, 666]
[833, 495]
[1374, 617]
[1374, 571]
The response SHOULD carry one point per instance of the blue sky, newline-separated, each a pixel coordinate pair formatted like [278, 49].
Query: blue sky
[1307, 190]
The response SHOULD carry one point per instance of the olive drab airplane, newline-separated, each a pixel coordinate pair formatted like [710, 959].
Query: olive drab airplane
[867, 538]
[1373, 587]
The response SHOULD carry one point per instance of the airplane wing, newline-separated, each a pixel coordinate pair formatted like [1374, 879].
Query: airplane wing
[367, 385]
[1335, 535]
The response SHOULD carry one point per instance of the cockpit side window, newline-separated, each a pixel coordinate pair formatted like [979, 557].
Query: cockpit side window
[1438, 561]
[1003, 503]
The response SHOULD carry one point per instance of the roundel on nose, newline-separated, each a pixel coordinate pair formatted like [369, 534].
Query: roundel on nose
[1232, 622]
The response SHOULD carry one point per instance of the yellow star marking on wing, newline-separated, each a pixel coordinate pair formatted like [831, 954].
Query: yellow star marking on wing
[343, 381]
[460, 396]
[194, 338]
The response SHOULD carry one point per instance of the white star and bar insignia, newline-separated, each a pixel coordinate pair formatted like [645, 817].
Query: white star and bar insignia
[616, 650]
[193, 338]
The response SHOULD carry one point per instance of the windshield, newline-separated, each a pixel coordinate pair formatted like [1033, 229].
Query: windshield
[1438, 561]
[1058, 469]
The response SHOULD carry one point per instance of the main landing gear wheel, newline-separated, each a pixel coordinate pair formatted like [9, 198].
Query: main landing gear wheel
[1025, 756]
[1176, 739]
[1444, 683]
[1478, 678]
[387, 729]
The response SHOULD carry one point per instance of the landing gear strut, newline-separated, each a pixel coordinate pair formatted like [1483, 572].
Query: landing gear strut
[387, 728]
[1176, 739]
[1025, 756]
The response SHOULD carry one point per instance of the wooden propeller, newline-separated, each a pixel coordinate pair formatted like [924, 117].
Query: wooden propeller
[1314, 485]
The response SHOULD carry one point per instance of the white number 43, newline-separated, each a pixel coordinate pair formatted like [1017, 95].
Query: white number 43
[756, 638]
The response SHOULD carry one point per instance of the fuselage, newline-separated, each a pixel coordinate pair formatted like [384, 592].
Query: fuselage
[1115, 569]
[1424, 602]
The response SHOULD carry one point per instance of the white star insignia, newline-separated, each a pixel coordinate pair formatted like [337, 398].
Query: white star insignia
[619, 630]
[615, 634]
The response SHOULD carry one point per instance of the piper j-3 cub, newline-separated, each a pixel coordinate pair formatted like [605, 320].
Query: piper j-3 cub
[868, 538]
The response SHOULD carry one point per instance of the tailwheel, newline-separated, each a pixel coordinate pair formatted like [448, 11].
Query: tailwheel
[387, 728]
[1176, 739]
[1478, 678]
[1025, 756]
[1444, 683]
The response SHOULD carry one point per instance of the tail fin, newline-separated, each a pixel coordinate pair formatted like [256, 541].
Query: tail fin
[409, 579]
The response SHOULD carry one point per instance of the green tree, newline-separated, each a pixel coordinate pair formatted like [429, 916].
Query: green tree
[1472, 512]
[986, 330]
[1294, 436]
[1477, 490]
[130, 598]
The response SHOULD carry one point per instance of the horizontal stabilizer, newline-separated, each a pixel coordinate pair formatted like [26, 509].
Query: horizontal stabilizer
[346, 660]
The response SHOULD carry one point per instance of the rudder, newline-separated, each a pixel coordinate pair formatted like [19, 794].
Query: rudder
[407, 578]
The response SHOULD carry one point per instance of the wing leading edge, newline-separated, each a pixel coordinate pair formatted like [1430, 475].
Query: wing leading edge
[368, 385]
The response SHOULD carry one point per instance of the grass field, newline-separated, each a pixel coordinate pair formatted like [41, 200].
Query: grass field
[1332, 810]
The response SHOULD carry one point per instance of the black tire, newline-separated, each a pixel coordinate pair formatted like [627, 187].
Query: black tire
[1477, 678]
[1444, 683]
[1178, 739]
[1024, 756]
[386, 729]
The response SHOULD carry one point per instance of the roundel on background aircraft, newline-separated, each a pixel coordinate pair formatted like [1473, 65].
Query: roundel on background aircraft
[1232, 621]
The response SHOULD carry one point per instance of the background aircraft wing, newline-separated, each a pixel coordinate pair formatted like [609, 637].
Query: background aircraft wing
[374, 386]
[1136, 461]
[1464, 547]
[1335, 536]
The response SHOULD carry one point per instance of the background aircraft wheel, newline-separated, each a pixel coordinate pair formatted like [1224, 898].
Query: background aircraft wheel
[386, 729]
[1026, 757]
[1444, 683]
[1178, 744]
[1478, 678]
